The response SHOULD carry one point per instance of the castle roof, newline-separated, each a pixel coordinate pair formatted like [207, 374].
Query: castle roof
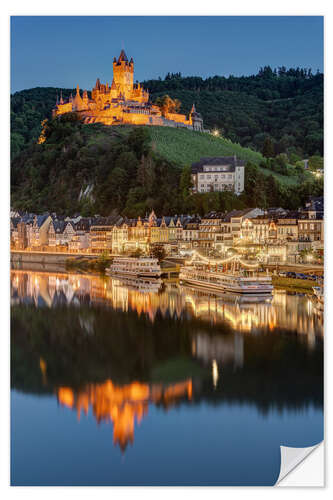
[122, 57]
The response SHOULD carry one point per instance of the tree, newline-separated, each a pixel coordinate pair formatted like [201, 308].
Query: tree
[316, 162]
[168, 105]
[185, 183]
[158, 252]
[268, 148]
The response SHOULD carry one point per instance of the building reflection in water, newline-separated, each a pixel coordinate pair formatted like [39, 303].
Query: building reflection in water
[123, 405]
[293, 312]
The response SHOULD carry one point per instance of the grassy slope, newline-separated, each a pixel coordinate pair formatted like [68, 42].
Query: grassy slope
[185, 147]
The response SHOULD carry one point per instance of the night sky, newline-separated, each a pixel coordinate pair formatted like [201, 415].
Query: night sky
[66, 51]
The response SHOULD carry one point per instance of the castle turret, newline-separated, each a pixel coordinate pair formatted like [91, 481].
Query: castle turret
[196, 120]
[123, 74]
[113, 90]
[85, 99]
[78, 104]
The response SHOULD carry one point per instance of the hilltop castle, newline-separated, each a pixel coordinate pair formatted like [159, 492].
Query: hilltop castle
[123, 102]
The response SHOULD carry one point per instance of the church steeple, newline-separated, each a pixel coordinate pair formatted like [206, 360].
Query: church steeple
[61, 99]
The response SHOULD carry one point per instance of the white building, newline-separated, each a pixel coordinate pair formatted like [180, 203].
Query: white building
[218, 174]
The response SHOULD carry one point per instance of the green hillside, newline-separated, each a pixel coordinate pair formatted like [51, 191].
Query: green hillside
[184, 147]
[95, 169]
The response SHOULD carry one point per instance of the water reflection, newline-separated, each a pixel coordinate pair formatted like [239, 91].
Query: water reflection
[294, 312]
[103, 348]
[122, 405]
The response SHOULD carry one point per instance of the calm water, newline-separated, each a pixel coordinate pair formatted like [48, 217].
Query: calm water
[115, 386]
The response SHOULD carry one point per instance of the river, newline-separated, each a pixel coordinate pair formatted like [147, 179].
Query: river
[111, 385]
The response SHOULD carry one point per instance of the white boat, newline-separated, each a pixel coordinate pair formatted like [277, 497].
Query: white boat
[143, 267]
[217, 277]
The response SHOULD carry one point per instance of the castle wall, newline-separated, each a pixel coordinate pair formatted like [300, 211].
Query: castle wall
[177, 118]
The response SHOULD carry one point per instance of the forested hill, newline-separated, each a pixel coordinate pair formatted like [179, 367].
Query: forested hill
[286, 105]
[95, 169]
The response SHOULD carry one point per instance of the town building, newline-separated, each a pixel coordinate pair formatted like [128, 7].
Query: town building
[37, 233]
[123, 102]
[218, 174]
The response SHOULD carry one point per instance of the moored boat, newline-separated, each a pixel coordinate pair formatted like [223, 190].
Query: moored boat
[143, 267]
[228, 275]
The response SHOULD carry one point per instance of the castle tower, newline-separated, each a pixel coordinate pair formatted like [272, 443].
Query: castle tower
[85, 99]
[78, 104]
[113, 90]
[123, 71]
[196, 120]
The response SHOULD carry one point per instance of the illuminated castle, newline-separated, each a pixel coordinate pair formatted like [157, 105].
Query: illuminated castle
[123, 102]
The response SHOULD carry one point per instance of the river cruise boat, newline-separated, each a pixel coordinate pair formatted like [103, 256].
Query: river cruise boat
[144, 267]
[218, 278]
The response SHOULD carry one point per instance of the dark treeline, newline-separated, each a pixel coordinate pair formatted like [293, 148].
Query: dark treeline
[268, 84]
[286, 105]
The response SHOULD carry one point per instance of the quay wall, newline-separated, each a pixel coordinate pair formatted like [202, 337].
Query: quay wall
[17, 257]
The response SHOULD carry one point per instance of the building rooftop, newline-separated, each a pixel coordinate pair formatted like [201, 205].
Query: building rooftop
[227, 161]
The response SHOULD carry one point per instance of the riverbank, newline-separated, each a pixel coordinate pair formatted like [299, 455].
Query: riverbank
[293, 284]
[85, 264]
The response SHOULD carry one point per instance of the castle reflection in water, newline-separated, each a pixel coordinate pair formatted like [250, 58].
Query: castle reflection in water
[123, 405]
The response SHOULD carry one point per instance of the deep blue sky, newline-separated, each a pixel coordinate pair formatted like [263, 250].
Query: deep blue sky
[66, 51]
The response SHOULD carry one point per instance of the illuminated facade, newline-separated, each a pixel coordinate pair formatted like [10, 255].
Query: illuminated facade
[123, 102]
[218, 174]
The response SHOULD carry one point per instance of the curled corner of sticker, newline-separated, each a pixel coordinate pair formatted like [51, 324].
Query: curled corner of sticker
[291, 458]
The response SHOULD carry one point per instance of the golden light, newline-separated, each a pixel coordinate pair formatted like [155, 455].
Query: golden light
[215, 373]
[216, 133]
